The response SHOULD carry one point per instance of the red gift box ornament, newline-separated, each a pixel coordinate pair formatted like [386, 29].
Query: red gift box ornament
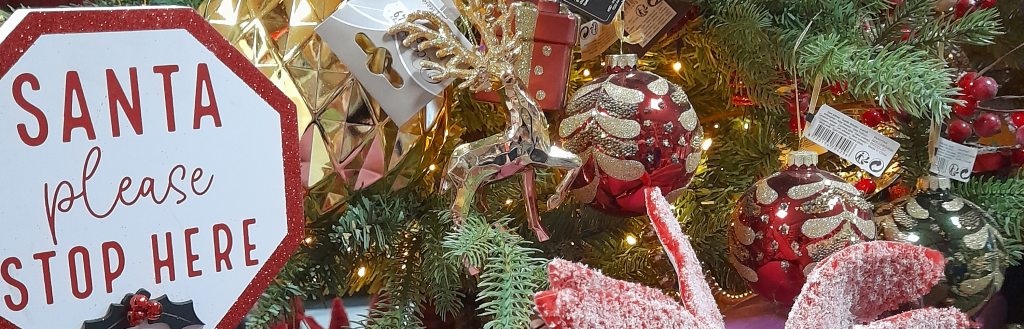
[545, 72]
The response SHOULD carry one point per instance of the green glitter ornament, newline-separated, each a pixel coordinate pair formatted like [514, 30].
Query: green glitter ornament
[933, 217]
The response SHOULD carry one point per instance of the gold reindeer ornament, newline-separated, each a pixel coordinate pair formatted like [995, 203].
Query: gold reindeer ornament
[525, 144]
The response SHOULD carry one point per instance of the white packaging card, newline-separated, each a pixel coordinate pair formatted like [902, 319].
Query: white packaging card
[851, 140]
[357, 31]
[647, 17]
[954, 160]
[595, 38]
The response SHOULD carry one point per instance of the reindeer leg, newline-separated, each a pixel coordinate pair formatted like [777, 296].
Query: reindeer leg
[529, 176]
[562, 189]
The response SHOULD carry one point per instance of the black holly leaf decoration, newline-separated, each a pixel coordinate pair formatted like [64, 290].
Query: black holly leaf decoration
[117, 314]
[176, 315]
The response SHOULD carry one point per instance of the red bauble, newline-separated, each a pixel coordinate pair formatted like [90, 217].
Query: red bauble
[987, 125]
[135, 317]
[797, 123]
[789, 221]
[967, 110]
[139, 303]
[872, 118]
[966, 81]
[154, 311]
[866, 185]
[983, 89]
[633, 129]
[987, 4]
[1017, 156]
[958, 131]
[1017, 118]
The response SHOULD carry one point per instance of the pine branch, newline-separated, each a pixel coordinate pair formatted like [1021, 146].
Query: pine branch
[402, 298]
[442, 275]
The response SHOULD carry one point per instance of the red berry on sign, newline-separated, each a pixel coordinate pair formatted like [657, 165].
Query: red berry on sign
[1017, 156]
[985, 4]
[984, 89]
[966, 81]
[958, 131]
[967, 110]
[872, 118]
[1017, 119]
[135, 318]
[139, 303]
[963, 7]
[155, 310]
[866, 185]
[794, 122]
[987, 125]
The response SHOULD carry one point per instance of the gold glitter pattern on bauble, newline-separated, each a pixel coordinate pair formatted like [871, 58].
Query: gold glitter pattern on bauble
[745, 272]
[915, 210]
[692, 162]
[658, 87]
[698, 139]
[821, 249]
[679, 97]
[674, 195]
[974, 286]
[977, 240]
[804, 191]
[624, 170]
[953, 205]
[818, 227]
[688, 119]
[744, 234]
[765, 194]
[587, 193]
[620, 128]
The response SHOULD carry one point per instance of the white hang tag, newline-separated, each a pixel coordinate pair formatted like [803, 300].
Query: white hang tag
[851, 140]
[595, 38]
[954, 160]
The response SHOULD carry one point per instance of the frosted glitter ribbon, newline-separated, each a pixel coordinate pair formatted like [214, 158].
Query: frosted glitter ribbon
[582, 298]
[855, 285]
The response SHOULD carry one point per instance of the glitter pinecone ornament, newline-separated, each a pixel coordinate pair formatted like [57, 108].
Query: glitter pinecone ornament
[974, 250]
[788, 222]
[632, 129]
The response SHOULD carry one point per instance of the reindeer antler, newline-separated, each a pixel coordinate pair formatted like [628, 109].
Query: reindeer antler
[477, 68]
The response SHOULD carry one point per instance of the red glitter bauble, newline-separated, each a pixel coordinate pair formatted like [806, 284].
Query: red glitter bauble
[633, 129]
[788, 222]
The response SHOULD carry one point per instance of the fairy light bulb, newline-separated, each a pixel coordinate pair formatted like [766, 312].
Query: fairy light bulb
[630, 239]
[677, 66]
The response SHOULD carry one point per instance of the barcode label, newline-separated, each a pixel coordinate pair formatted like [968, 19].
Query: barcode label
[833, 140]
[851, 140]
[954, 160]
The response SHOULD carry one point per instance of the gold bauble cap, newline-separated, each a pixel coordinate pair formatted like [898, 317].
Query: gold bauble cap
[620, 61]
[802, 158]
[933, 183]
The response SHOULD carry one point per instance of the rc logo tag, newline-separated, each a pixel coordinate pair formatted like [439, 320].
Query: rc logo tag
[150, 173]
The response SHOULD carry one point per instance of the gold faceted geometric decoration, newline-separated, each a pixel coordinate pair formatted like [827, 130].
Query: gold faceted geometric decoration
[345, 136]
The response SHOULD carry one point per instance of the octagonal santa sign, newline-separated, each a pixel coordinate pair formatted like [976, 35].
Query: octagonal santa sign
[150, 173]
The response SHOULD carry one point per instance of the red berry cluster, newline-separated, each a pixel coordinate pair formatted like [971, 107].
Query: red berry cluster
[964, 7]
[140, 308]
[866, 185]
[975, 89]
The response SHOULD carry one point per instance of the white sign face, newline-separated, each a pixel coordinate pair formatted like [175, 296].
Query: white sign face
[134, 157]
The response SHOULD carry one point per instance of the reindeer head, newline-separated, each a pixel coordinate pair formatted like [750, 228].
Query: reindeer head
[477, 67]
